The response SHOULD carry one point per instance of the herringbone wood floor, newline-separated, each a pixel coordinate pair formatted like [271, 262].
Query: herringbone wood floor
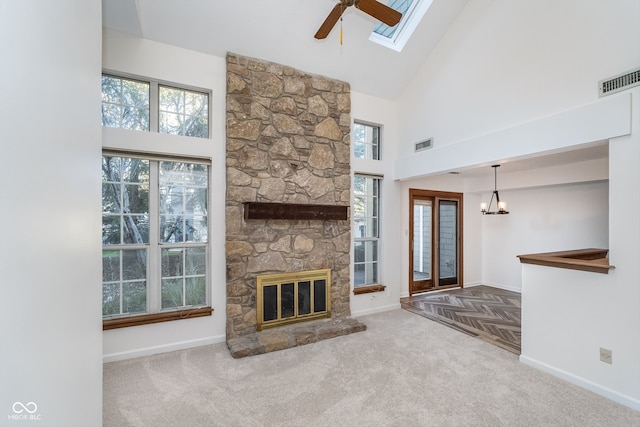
[488, 313]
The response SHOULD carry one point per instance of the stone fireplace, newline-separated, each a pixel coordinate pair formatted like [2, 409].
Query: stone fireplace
[288, 144]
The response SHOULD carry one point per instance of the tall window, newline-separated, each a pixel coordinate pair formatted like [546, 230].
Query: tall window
[366, 141]
[366, 220]
[154, 234]
[150, 106]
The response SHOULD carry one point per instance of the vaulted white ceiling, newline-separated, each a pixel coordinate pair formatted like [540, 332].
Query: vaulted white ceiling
[282, 31]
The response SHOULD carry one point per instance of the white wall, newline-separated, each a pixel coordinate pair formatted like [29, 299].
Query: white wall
[564, 217]
[506, 62]
[126, 54]
[507, 69]
[51, 351]
[381, 112]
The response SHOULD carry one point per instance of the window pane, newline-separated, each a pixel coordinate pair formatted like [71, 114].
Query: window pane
[111, 168]
[365, 262]
[170, 123]
[365, 206]
[124, 288]
[110, 299]
[110, 230]
[172, 295]
[125, 103]
[135, 229]
[172, 262]
[365, 230]
[183, 202]
[177, 229]
[134, 264]
[195, 261]
[194, 102]
[111, 115]
[135, 118]
[137, 198]
[366, 141]
[135, 93]
[195, 291]
[110, 266]
[183, 265]
[110, 201]
[110, 89]
[183, 112]
[134, 297]
[125, 189]
[171, 100]
[134, 170]
[448, 236]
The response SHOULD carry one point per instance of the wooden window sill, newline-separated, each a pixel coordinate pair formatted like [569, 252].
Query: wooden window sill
[368, 289]
[146, 319]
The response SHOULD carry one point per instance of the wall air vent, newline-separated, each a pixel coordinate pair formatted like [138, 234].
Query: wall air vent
[424, 145]
[619, 83]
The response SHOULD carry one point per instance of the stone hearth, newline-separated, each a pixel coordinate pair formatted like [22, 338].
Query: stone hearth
[288, 141]
[292, 336]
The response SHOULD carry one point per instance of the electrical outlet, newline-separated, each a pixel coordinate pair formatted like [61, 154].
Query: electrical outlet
[606, 355]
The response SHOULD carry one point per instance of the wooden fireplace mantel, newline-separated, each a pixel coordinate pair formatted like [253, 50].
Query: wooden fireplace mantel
[294, 211]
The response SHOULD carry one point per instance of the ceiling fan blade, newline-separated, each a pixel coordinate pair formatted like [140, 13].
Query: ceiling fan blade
[328, 23]
[380, 11]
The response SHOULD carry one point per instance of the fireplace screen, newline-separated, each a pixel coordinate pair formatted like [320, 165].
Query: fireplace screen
[286, 298]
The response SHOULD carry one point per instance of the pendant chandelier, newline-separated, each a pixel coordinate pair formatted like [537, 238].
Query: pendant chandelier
[502, 206]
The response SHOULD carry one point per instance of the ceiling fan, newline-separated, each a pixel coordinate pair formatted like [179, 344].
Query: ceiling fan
[374, 8]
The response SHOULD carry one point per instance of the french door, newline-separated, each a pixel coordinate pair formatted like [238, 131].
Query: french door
[435, 244]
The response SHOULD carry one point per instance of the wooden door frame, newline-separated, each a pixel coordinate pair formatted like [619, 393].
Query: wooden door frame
[416, 193]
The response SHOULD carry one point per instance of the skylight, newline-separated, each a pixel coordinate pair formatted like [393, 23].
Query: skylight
[396, 37]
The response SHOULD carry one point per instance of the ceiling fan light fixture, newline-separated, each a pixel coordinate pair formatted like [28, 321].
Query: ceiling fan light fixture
[373, 8]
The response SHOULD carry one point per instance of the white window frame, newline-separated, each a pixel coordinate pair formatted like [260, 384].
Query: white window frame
[154, 96]
[368, 146]
[374, 238]
[154, 246]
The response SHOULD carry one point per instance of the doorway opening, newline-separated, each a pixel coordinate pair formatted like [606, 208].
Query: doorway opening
[435, 243]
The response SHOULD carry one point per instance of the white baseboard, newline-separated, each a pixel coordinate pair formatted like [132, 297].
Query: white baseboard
[499, 286]
[165, 348]
[375, 310]
[472, 284]
[584, 383]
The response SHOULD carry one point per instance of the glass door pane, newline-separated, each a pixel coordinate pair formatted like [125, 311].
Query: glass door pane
[422, 232]
[448, 242]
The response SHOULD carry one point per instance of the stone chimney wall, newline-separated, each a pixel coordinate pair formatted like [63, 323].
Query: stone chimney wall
[288, 141]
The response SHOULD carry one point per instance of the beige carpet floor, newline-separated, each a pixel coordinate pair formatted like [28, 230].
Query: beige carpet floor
[403, 371]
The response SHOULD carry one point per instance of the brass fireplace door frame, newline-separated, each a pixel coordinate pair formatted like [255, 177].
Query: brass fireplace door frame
[278, 280]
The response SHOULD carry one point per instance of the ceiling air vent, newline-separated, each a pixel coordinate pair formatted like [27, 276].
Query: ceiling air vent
[619, 83]
[424, 145]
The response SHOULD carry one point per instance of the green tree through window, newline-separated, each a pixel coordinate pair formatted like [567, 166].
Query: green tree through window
[153, 251]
